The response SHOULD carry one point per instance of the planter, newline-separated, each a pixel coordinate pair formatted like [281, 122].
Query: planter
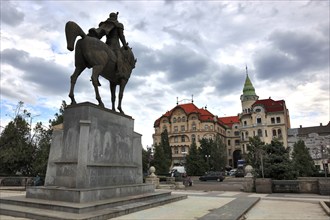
[324, 186]
[263, 185]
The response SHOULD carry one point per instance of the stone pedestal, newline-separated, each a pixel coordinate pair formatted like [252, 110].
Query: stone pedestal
[263, 185]
[97, 155]
[152, 178]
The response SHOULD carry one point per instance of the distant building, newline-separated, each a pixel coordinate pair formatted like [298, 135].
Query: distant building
[317, 140]
[266, 118]
[187, 123]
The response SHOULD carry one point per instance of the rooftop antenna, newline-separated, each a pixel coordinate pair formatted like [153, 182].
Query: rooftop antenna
[192, 98]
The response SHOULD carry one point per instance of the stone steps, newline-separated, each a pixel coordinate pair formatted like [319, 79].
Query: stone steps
[43, 209]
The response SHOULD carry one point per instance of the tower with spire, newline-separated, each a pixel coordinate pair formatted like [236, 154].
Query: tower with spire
[249, 95]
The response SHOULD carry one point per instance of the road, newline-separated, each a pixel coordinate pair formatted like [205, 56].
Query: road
[229, 184]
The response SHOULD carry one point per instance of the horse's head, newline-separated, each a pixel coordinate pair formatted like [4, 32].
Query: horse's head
[129, 57]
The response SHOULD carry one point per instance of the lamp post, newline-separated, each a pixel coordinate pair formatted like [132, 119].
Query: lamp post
[31, 118]
[207, 159]
[325, 159]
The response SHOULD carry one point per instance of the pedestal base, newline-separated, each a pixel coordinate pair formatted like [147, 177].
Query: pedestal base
[87, 195]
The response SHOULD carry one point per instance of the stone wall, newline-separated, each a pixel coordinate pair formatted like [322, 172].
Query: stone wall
[317, 185]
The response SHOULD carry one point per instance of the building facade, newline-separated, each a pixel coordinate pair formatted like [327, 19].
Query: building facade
[317, 140]
[185, 123]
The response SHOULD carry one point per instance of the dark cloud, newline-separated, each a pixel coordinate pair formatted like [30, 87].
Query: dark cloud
[47, 75]
[292, 53]
[230, 80]
[141, 25]
[10, 15]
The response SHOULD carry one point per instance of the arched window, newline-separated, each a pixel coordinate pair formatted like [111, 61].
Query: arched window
[279, 132]
[174, 119]
[193, 138]
[164, 128]
[259, 133]
[183, 119]
[193, 126]
[274, 133]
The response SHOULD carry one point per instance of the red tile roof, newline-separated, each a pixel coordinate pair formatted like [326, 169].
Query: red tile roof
[230, 120]
[270, 105]
[203, 114]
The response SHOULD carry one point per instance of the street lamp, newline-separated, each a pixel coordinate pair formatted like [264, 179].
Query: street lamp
[325, 159]
[184, 157]
[31, 118]
[207, 159]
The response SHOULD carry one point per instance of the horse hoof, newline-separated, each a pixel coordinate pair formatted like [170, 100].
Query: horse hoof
[121, 111]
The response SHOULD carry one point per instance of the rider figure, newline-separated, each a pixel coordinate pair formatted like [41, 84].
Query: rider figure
[114, 32]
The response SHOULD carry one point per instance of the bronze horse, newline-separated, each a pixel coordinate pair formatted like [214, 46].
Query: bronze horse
[92, 53]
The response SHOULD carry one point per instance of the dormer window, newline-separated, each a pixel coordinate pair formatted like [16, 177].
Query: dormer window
[258, 120]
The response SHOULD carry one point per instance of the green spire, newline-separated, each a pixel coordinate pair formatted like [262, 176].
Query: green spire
[248, 89]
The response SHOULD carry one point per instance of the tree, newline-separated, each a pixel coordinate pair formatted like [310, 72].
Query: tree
[160, 160]
[58, 116]
[146, 159]
[16, 148]
[302, 160]
[42, 142]
[195, 163]
[205, 151]
[219, 153]
[165, 144]
[256, 150]
[22, 152]
[42, 147]
[277, 164]
[214, 152]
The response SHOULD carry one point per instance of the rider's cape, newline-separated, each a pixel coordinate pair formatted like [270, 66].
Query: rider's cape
[104, 28]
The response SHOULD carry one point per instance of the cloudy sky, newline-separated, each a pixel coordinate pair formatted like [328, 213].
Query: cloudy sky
[183, 48]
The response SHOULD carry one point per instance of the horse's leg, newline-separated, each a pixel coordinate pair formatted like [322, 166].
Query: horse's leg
[113, 94]
[95, 80]
[122, 85]
[74, 77]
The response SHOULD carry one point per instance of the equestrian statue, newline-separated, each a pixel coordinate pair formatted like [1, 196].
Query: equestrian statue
[110, 60]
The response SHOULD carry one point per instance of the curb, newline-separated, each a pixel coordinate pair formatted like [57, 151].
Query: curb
[325, 207]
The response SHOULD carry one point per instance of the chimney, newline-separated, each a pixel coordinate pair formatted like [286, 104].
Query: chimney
[300, 126]
[320, 124]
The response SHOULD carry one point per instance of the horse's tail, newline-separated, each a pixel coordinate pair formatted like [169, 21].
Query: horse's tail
[72, 31]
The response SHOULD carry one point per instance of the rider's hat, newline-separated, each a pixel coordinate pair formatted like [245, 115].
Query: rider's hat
[113, 15]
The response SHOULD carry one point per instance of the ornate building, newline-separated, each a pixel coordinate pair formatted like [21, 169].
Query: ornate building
[317, 140]
[265, 118]
[186, 123]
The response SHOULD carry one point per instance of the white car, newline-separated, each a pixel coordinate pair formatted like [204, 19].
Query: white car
[179, 169]
[232, 172]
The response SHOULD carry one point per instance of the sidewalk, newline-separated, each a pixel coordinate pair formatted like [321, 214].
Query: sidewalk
[204, 205]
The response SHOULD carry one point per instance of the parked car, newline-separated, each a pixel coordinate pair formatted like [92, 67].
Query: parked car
[232, 172]
[239, 172]
[218, 176]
